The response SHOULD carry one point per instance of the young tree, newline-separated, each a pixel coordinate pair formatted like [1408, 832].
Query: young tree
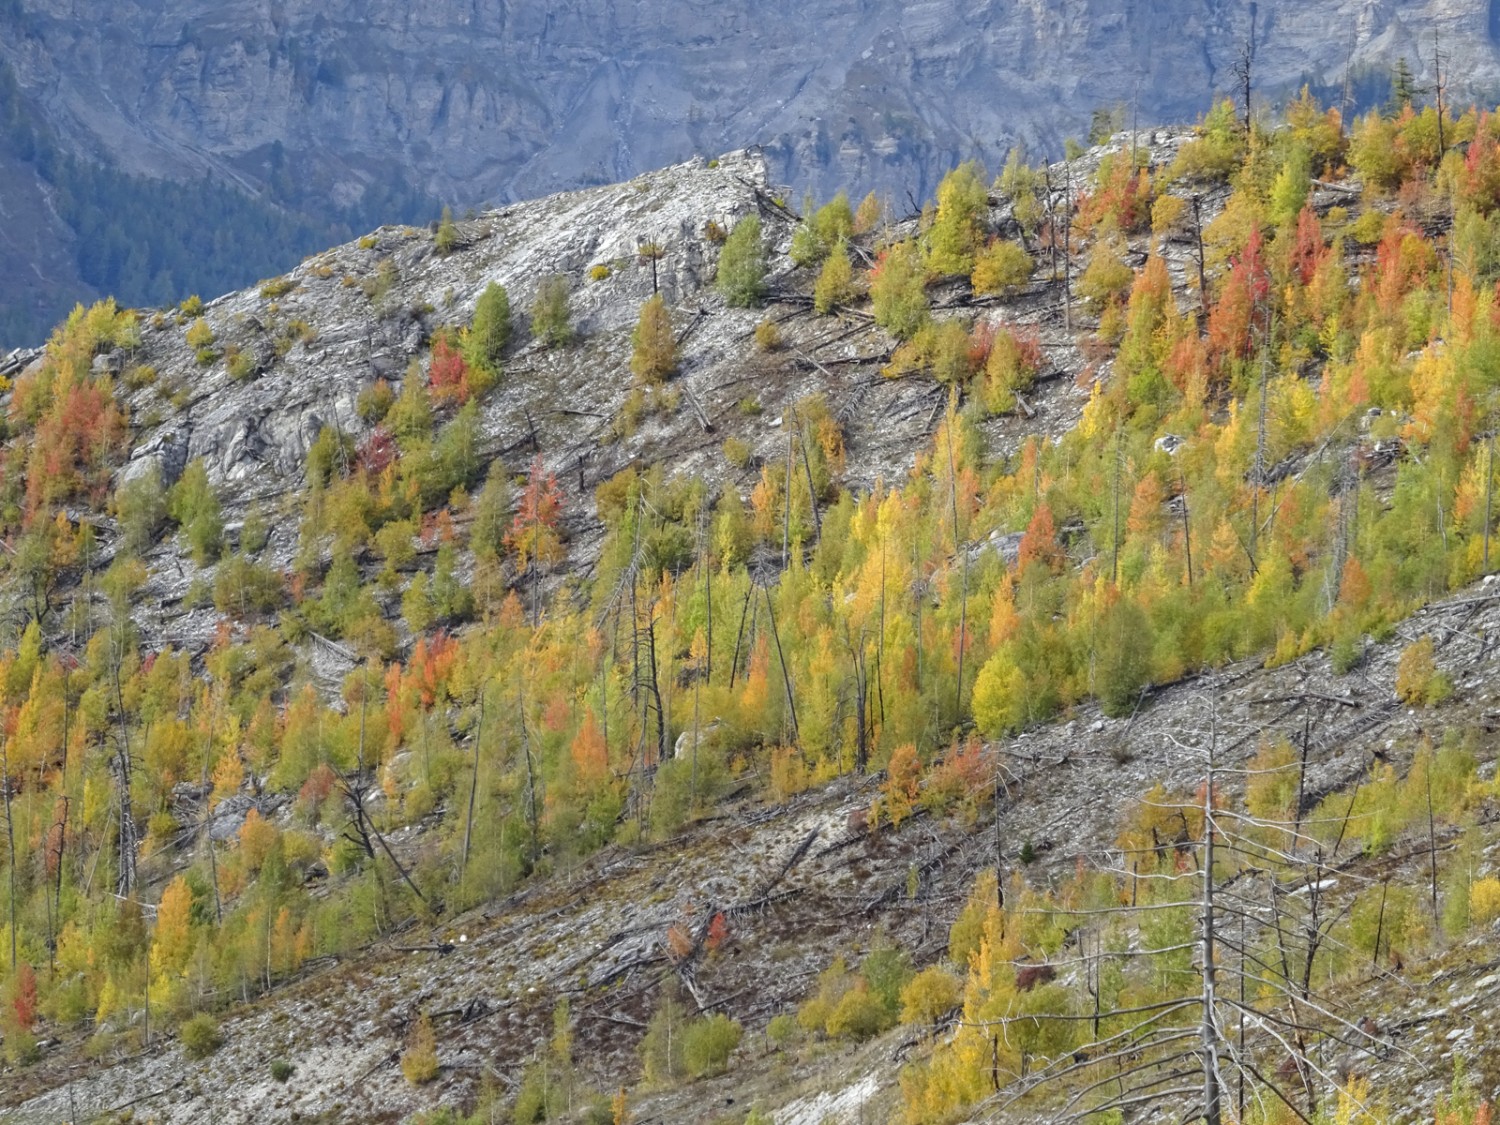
[490, 331]
[1001, 266]
[835, 284]
[446, 238]
[655, 356]
[195, 506]
[958, 231]
[742, 264]
[898, 290]
[533, 532]
[551, 318]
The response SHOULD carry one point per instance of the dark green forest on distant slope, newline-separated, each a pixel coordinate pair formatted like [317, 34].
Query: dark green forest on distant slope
[151, 242]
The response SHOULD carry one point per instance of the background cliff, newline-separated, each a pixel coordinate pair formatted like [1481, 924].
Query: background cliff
[322, 119]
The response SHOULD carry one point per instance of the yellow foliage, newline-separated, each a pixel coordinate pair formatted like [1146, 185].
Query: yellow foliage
[172, 941]
[229, 775]
[788, 772]
[257, 837]
[1484, 900]
[1418, 681]
[419, 1062]
[899, 790]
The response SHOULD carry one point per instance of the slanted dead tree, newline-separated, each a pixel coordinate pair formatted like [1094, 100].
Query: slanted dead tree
[1249, 925]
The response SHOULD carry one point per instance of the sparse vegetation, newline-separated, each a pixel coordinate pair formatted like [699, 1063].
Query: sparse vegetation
[655, 357]
[200, 1036]
[551, 317]
[1287, 475]
[419, 1062]
[741, 275]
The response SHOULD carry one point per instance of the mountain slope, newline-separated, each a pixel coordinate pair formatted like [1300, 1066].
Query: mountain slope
[363, 113]
[669, 667]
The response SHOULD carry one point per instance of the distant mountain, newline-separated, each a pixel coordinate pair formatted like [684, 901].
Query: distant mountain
[318, 119]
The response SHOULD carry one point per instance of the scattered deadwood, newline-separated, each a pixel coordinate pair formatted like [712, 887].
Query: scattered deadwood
[687, 393]
[145, 1097]
[1308, 696]
[610, 1017]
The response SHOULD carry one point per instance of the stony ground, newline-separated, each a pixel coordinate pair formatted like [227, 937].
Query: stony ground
[799, 883]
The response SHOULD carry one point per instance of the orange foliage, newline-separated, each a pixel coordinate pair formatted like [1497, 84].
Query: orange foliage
[718, 932]
[23, 997]
[71, 446]
[448, 374]
[1146, 513]
[1480, 184]
[1124, 196]
[899, 790]
[590, 755]
[431, 667]
[1242, 310]
[173, 939]
[257, 838]
[533, 533]
[1308, 250]
[1039, 543]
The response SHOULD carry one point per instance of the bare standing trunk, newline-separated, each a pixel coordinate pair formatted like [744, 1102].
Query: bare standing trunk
[463, 863]
[10, 855]
[1209, 1029]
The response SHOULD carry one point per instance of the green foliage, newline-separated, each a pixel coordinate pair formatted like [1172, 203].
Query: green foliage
[737, 452]
[1289, 193]
[741, 275]
[1107, 277]
[193, 503]
[490, 330]
[959, 229]
[375, 402]
[445, 239]
[551, 317]
[1021, 183]
[858, 1005]
[281, 1070]
[662, 1046]
[871, 612]
[141, 510]
[835, 284]
[409, 419]
[1218, 149]
[492, 514]
[201, 1036]
[898, 290]
[707, 1044]
[829, 225]
[1123, 657]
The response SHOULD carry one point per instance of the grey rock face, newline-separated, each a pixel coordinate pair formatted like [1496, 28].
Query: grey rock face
[496, 100]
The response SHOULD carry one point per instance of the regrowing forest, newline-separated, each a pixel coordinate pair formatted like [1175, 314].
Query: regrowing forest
[1288, 335]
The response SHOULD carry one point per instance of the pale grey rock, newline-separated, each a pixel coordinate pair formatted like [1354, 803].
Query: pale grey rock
[487, 99]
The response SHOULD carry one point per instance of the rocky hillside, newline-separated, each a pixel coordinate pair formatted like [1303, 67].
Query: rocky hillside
[801, 884]
[412, 709]
[332, 113]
